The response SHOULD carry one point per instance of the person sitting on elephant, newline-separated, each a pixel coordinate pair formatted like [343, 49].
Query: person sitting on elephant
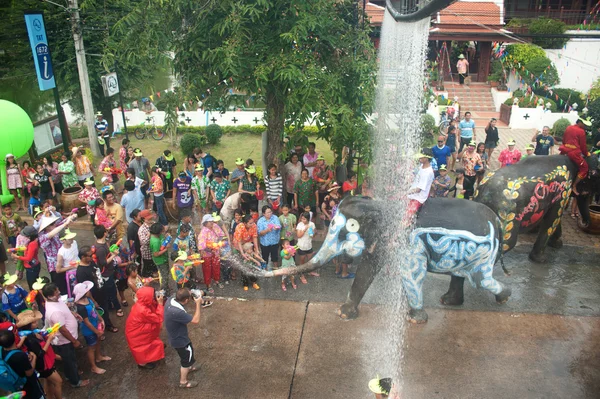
[575, 147]
[419, 190]
[472, 162]
[509, 155]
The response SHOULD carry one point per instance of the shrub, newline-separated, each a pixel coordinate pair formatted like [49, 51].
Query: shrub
[547, 26]
[427, 130]
[524, 53]
[496, 73]
[559, 127]
[190, 141]
[214, 133]
[528, 102]
[594, 113]
[594, 92]
[540, 65]
[443, 100]
[567, 95]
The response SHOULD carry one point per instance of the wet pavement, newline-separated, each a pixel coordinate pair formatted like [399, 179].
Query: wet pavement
[543, 343]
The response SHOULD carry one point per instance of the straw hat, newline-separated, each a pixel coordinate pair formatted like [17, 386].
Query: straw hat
[69, 235]
[239, 161]
[182, 255]
[10, 279]
[81, 289]
[39, 284]
[380, 386]
[46, 221]
[251, 170]
[74, 150]
[27, 317]
[334, 186]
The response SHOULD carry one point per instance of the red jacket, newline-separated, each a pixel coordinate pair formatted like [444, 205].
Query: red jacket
[142, 328]
[31, 254]
[574, 137]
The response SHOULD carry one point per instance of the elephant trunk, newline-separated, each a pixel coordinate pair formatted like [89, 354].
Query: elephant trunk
[304, 268]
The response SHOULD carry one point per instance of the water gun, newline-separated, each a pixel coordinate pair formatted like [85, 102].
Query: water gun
[44, 331]
[273, 226]
[31, 296]
[166, 242]
[147, 280]
[215, 245]
[115, 247]
[94, 256]
[114, 171]
[193, 263]
[74, 263]
[15, 395]
[17, 249]
[194, 257]
[289, 250]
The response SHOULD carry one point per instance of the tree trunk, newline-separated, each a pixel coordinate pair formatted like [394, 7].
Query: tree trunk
[275, 115]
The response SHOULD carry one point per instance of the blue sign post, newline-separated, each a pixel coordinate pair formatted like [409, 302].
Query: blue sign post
[40, 49]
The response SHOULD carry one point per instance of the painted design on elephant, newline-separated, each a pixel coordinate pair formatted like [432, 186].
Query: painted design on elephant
[554, 191]
[333, 246]
[483, 181]
[458, 252]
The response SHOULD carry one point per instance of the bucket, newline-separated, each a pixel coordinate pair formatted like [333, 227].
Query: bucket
[69, 199]
[594, 227]
[172, 214]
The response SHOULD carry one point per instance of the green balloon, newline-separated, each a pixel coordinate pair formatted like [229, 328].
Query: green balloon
[16, 130]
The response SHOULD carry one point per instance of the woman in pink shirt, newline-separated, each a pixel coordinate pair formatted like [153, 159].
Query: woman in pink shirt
[462, 66]
[209, 241]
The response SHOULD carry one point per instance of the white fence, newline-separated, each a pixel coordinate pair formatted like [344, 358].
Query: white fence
[191, 118]
[537, 118]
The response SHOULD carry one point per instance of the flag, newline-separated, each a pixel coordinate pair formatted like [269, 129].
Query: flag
[158, 94]
[152, 98]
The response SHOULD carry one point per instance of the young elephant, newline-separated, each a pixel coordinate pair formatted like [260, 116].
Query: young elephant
[451, 236]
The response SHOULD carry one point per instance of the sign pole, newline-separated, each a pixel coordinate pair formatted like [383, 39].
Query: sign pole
[61, 120]
[121, 102]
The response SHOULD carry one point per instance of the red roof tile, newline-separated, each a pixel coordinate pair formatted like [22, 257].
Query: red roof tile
[375, 14]
[467, 13]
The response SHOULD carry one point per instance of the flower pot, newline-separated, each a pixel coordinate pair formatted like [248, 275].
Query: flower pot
[493, 83]
[594, 226]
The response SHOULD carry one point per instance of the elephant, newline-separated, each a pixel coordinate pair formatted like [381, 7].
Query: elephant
[533, 194]
[450, 236]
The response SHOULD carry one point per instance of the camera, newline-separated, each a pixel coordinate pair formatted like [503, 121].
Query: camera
[196, 293]
[160, 293]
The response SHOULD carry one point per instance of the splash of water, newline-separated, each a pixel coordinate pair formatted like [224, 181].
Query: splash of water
[397, 139]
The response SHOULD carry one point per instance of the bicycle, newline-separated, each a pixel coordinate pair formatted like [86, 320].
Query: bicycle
[444, 123]
[156, 133]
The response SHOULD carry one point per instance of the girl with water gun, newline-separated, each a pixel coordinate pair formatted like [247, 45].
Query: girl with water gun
[134, 281]
[287, 260]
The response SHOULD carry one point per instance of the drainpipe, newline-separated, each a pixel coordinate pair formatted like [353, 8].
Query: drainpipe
[403, 12]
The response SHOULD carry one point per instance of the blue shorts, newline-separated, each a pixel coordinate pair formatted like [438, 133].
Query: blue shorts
[91, 340]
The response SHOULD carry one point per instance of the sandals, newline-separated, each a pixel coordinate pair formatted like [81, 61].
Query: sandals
[303, 279]
[206, 304]
[350, 275]
[189, 384]
[125, 304]
[112, 329]
[120, 313]
[283, 287]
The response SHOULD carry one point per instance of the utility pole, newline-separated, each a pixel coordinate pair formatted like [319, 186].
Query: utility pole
[84, 80]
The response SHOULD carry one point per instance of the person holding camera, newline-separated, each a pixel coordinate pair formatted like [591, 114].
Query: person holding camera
[176, 321]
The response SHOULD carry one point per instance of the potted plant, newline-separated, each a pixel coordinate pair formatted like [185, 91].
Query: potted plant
[496, 77]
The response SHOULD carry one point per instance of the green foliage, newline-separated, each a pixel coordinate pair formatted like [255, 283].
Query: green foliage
[594, 92]
[559, 127]
[427, 130]
[497, 72]
[567, 95]
[172, 101]
[214, 133]
[547, 26]
[443, 100]
[528, 102]
[540, 65]
[189, 141]
[594, 113]
[584, 27]
[524, 53]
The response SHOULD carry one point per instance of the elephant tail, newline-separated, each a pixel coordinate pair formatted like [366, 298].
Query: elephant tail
[504, 269]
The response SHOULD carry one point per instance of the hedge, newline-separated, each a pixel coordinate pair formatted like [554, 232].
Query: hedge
[524, 53]
[528, 102]
[258, 129]
[559, 127]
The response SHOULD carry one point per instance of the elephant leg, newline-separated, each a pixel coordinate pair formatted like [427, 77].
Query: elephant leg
[489, 283]
[555, 240]
[455, 295]
[548, 226]
[365, 274]
[413, 285]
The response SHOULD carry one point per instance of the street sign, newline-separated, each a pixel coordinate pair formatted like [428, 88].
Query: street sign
[110, 84]
[40, 49]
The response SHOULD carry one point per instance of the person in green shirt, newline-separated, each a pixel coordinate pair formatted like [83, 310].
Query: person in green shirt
[306, 192]
[288, 224]
[160, 256]
[67, 170]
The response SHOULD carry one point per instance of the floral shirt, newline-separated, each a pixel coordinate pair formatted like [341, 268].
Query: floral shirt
[306, 192]
[102, 218]
[83, 167]
[439, 189]
[200, 185]
[108, 163]
[322, 174]
[509, 157]
[50, 247]
[220, 189]
[70, 179]
[144, 235]
[469, 160]
[53, 169]
[122, 157]
[86, 195]
[157, 186]
[244, 235]
[207, 236]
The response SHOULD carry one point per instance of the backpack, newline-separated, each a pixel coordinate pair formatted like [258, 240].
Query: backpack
[9, 379]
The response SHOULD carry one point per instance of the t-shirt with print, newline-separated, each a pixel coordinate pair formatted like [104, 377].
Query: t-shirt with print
[44, 181]
[19, 362]
[11, 224]
[14, 301]
[88, 312]
[90, 273]
[466, 128]
[184, 199]
[305, 242]
[155, 243]
[543, 144]
[220, 189]
[287, 226]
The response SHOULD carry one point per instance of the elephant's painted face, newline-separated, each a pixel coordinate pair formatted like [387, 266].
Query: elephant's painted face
[343, 236]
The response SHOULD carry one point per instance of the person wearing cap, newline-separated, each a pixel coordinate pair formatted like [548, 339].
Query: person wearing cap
[239, 172]
[49, 238]
[15, 179]
[41, 347]
[13, 296]
[419, 190]
[182, 192]
[462, 67]
[147, 106]
[30, 257]
[529, 148]
[92, 327]
[166, 162]
[66, 169]
[383, 388]
[106, 165]
[131, 200]
[210, 235]
[83, 166]
[441, 153]
[544, 143]
[157, 189]
[309, 160]
[66, 263]
[101, 126]
[575, 147]
[491, 137]
[219, 191]
[148, 218]
[200, 189]
[106, 180]
[88, 196]
[142, 170]
[467, 132]
[471, 162]
[441, 184]
[509, 155]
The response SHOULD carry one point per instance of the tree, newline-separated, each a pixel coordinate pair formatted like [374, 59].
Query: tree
[302, 57]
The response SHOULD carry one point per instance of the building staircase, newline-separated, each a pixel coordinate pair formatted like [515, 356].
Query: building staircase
[475, 98]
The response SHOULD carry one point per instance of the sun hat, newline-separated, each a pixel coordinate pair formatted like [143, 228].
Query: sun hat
[27, 317]
[442, 167]
[182, 174]
[81, 289]
[239, 161]
[68, 235]
[105, 178]
[88, 181]
[137, 152]
[380, 386]
[530, 147]
[10, 279]
[320, 158]
[251, 170]
[473, 143]
[216, 217]
[39, 284]
[168, 157]
[46, 221]
[199, 168]
[334, 186]
[586, 122]
[146, 213]
[98, 113]
[74, 150]
[29, 231]
[512, 142]
[423, 155]
[9, 156]
[207, 218]
[182, 255]
[36, 211]
[461, 57]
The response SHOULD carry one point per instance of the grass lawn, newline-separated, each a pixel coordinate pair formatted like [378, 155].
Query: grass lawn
[232, 146]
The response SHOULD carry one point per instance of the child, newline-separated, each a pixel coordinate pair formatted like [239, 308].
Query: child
[10, 223]
[130, 173]
[13, 297]
[135, 282]
[459, 185]
[160, 256]
[101, 216]
[28, 172]
[87, 196]
[528, 151]
[182, 273]
[251, 260]
[21, 241]
[92, 327]
[34, 200]
[200, 187]
[254, 213]
[287, 260]
[441, 184]
[308, 210]
[186, 220]
[122, 261]
[305, 231]
[106, 184]
[237, 219]
[288, 224]
[182, 241]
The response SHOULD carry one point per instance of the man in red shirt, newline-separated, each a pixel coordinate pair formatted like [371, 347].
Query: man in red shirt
[575, 147]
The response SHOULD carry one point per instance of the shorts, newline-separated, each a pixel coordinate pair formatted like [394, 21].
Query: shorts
[47, 373]
[346, 259]
[303, 252]
[12, 241]
[452, 148]
[491, 144]
[186, 354]
[270, 250]
[91, 340]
